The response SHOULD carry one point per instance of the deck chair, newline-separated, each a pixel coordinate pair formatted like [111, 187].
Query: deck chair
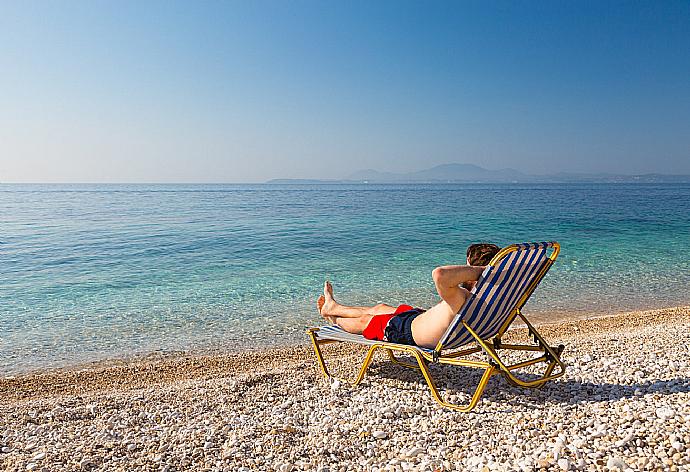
[493, 305]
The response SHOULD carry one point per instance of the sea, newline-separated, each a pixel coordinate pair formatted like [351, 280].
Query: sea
[94, 272]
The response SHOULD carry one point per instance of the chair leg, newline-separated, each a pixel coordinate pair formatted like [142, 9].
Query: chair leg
[488, 372]
[552, 356]
[540, 382]
[553, 364]
[395, 360]
[317, 352]
[422, 366]
[324, 368]
[365, 364]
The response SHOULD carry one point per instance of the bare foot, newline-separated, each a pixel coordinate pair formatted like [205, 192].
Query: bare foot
[329, 302]
[319, 304]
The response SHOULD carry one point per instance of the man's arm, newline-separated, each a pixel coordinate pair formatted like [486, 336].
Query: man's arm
[448, 278]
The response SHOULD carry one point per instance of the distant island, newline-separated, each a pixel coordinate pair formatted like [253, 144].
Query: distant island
[470, 173]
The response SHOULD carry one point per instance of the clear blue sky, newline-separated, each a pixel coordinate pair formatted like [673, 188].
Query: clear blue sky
[248, 91]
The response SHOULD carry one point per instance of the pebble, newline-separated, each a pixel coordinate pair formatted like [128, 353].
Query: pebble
[557, 448]
[629, 437]
[616, 463]
[276, 412]
[414, 452]
[665, 413]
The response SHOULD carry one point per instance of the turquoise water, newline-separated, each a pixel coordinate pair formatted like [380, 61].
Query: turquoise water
[97, 271]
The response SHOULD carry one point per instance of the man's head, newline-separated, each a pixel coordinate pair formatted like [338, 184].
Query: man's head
[481, 254]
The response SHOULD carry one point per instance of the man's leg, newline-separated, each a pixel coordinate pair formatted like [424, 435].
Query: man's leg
[329, 308]
[354, 325]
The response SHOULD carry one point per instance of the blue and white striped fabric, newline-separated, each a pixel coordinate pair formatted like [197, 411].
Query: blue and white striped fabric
[496, 294]
[338, 334]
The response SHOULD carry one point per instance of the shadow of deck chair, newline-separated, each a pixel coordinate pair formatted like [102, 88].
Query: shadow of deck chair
[493, 305]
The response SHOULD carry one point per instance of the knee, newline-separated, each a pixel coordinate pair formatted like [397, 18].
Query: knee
[364, 322]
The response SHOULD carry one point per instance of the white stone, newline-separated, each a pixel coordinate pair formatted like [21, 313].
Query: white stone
[414, 452]
[335, 385]
[380, 434]
[38, 457]
[578, 443]
[557, 448]
[617, 463]
[665, 413]
[629, 437]
[563, 463]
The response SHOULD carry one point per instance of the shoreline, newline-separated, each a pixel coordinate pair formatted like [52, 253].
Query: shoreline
[623, 403]
[137, 371]
[220, 352]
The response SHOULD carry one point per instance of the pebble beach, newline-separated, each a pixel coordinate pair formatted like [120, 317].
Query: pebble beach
[623, 404]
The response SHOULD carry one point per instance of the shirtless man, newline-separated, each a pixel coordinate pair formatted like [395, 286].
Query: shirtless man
[405, 324]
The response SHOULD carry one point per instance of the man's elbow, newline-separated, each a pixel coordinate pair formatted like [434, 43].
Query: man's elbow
[438, 275]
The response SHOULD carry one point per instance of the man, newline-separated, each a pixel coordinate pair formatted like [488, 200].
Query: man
[405, 324]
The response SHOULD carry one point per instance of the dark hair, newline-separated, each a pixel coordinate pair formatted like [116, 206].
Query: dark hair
[480, 254]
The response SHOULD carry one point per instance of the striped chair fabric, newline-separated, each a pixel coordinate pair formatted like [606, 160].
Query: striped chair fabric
[337, 333]
[496, 294]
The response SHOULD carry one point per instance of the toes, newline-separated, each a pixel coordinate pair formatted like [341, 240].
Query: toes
[320, 302]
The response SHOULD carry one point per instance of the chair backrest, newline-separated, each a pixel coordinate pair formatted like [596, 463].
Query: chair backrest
[505, 286]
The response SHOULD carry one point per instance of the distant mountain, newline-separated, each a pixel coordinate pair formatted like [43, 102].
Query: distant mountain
[473, 173]
[443, 173]
[470, 173]
[374, 175]
[622, 178]
[303, 181]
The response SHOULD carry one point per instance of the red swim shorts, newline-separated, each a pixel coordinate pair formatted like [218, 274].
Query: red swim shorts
[377, 325]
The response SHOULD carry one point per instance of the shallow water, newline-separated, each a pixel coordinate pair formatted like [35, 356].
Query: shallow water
[96, 271]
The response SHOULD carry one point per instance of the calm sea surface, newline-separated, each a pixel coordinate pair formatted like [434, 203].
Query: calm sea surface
[97, 271]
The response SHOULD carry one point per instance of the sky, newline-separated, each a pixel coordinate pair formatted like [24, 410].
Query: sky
[249, 91]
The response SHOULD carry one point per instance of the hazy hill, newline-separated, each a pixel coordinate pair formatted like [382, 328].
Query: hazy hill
[474, 173]
[444, 172]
